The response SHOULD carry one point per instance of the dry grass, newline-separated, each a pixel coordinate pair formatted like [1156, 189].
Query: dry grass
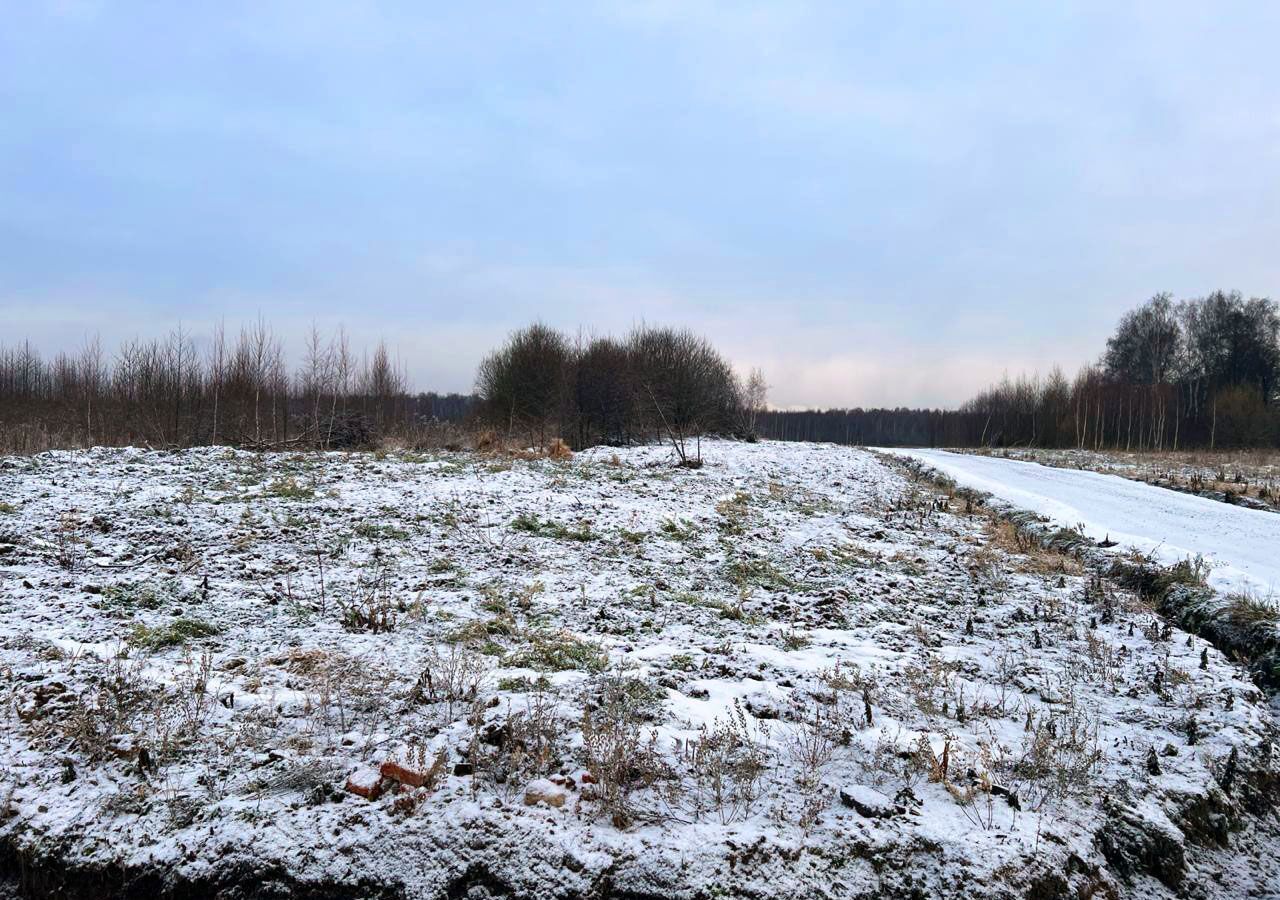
[1028, 556]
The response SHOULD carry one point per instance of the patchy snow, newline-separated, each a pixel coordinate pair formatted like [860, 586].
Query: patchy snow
[1242, 545]
[211, 659]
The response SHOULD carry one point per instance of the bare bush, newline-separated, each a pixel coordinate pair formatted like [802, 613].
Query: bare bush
[520, 745]
[621, 758]
[371, 604]
[450, 677]
[726, 765]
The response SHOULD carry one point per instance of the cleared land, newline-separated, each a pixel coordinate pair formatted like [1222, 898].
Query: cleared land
[793, 672]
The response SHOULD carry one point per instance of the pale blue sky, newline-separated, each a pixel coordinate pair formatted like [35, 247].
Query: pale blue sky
[879, 203]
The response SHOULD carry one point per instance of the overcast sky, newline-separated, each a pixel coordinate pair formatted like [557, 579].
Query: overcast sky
[878, 203]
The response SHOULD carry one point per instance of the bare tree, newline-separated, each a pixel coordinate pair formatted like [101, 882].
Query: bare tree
[756, 396]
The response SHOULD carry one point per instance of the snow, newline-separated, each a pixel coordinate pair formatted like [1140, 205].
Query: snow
[814, 582]
[1242, 545]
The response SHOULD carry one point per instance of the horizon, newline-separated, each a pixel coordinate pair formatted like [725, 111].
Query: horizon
[878, 208]
[294, 352]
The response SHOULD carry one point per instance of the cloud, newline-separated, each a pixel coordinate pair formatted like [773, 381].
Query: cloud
[879, 204]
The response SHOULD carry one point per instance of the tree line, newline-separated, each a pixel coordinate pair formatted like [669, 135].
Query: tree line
[240, 391]
[1200, 373]
[656, 383]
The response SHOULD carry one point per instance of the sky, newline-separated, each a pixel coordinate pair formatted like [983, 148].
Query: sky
[876, 203]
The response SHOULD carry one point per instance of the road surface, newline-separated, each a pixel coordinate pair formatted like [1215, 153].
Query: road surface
[1243, 545]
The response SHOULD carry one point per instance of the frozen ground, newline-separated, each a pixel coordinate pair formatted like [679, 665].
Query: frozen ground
[790, 673]
[1242, 545]
[1242, 477]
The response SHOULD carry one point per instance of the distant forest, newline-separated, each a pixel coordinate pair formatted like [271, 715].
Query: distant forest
[1200, 373]
[237, 391]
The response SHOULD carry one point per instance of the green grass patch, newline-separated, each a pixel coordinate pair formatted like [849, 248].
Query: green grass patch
[289, 488]
[727, 610]
[559, 652]
[523, 685]
[477, 632]
[759, 573]
[679, 530]
[175, 634]
[147, 594]
[375, 532]
[531, 524]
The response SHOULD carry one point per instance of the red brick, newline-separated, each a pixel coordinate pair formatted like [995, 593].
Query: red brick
[367, 783]
[403, 774]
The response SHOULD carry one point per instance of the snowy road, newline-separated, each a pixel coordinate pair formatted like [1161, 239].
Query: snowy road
[1242, 544]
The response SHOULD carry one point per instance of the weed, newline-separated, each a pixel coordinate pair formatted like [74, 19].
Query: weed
[811, 744]
[1248, 608]
[683, 662]
[450, 678]
[342, 691]
[521, 745]
[727, 763]
[111, 710]
[795, 640]
[69, 541]
[370, 606]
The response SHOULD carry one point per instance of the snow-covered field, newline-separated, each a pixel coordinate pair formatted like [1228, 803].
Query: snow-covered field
[1242, 545]
[790, 673]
